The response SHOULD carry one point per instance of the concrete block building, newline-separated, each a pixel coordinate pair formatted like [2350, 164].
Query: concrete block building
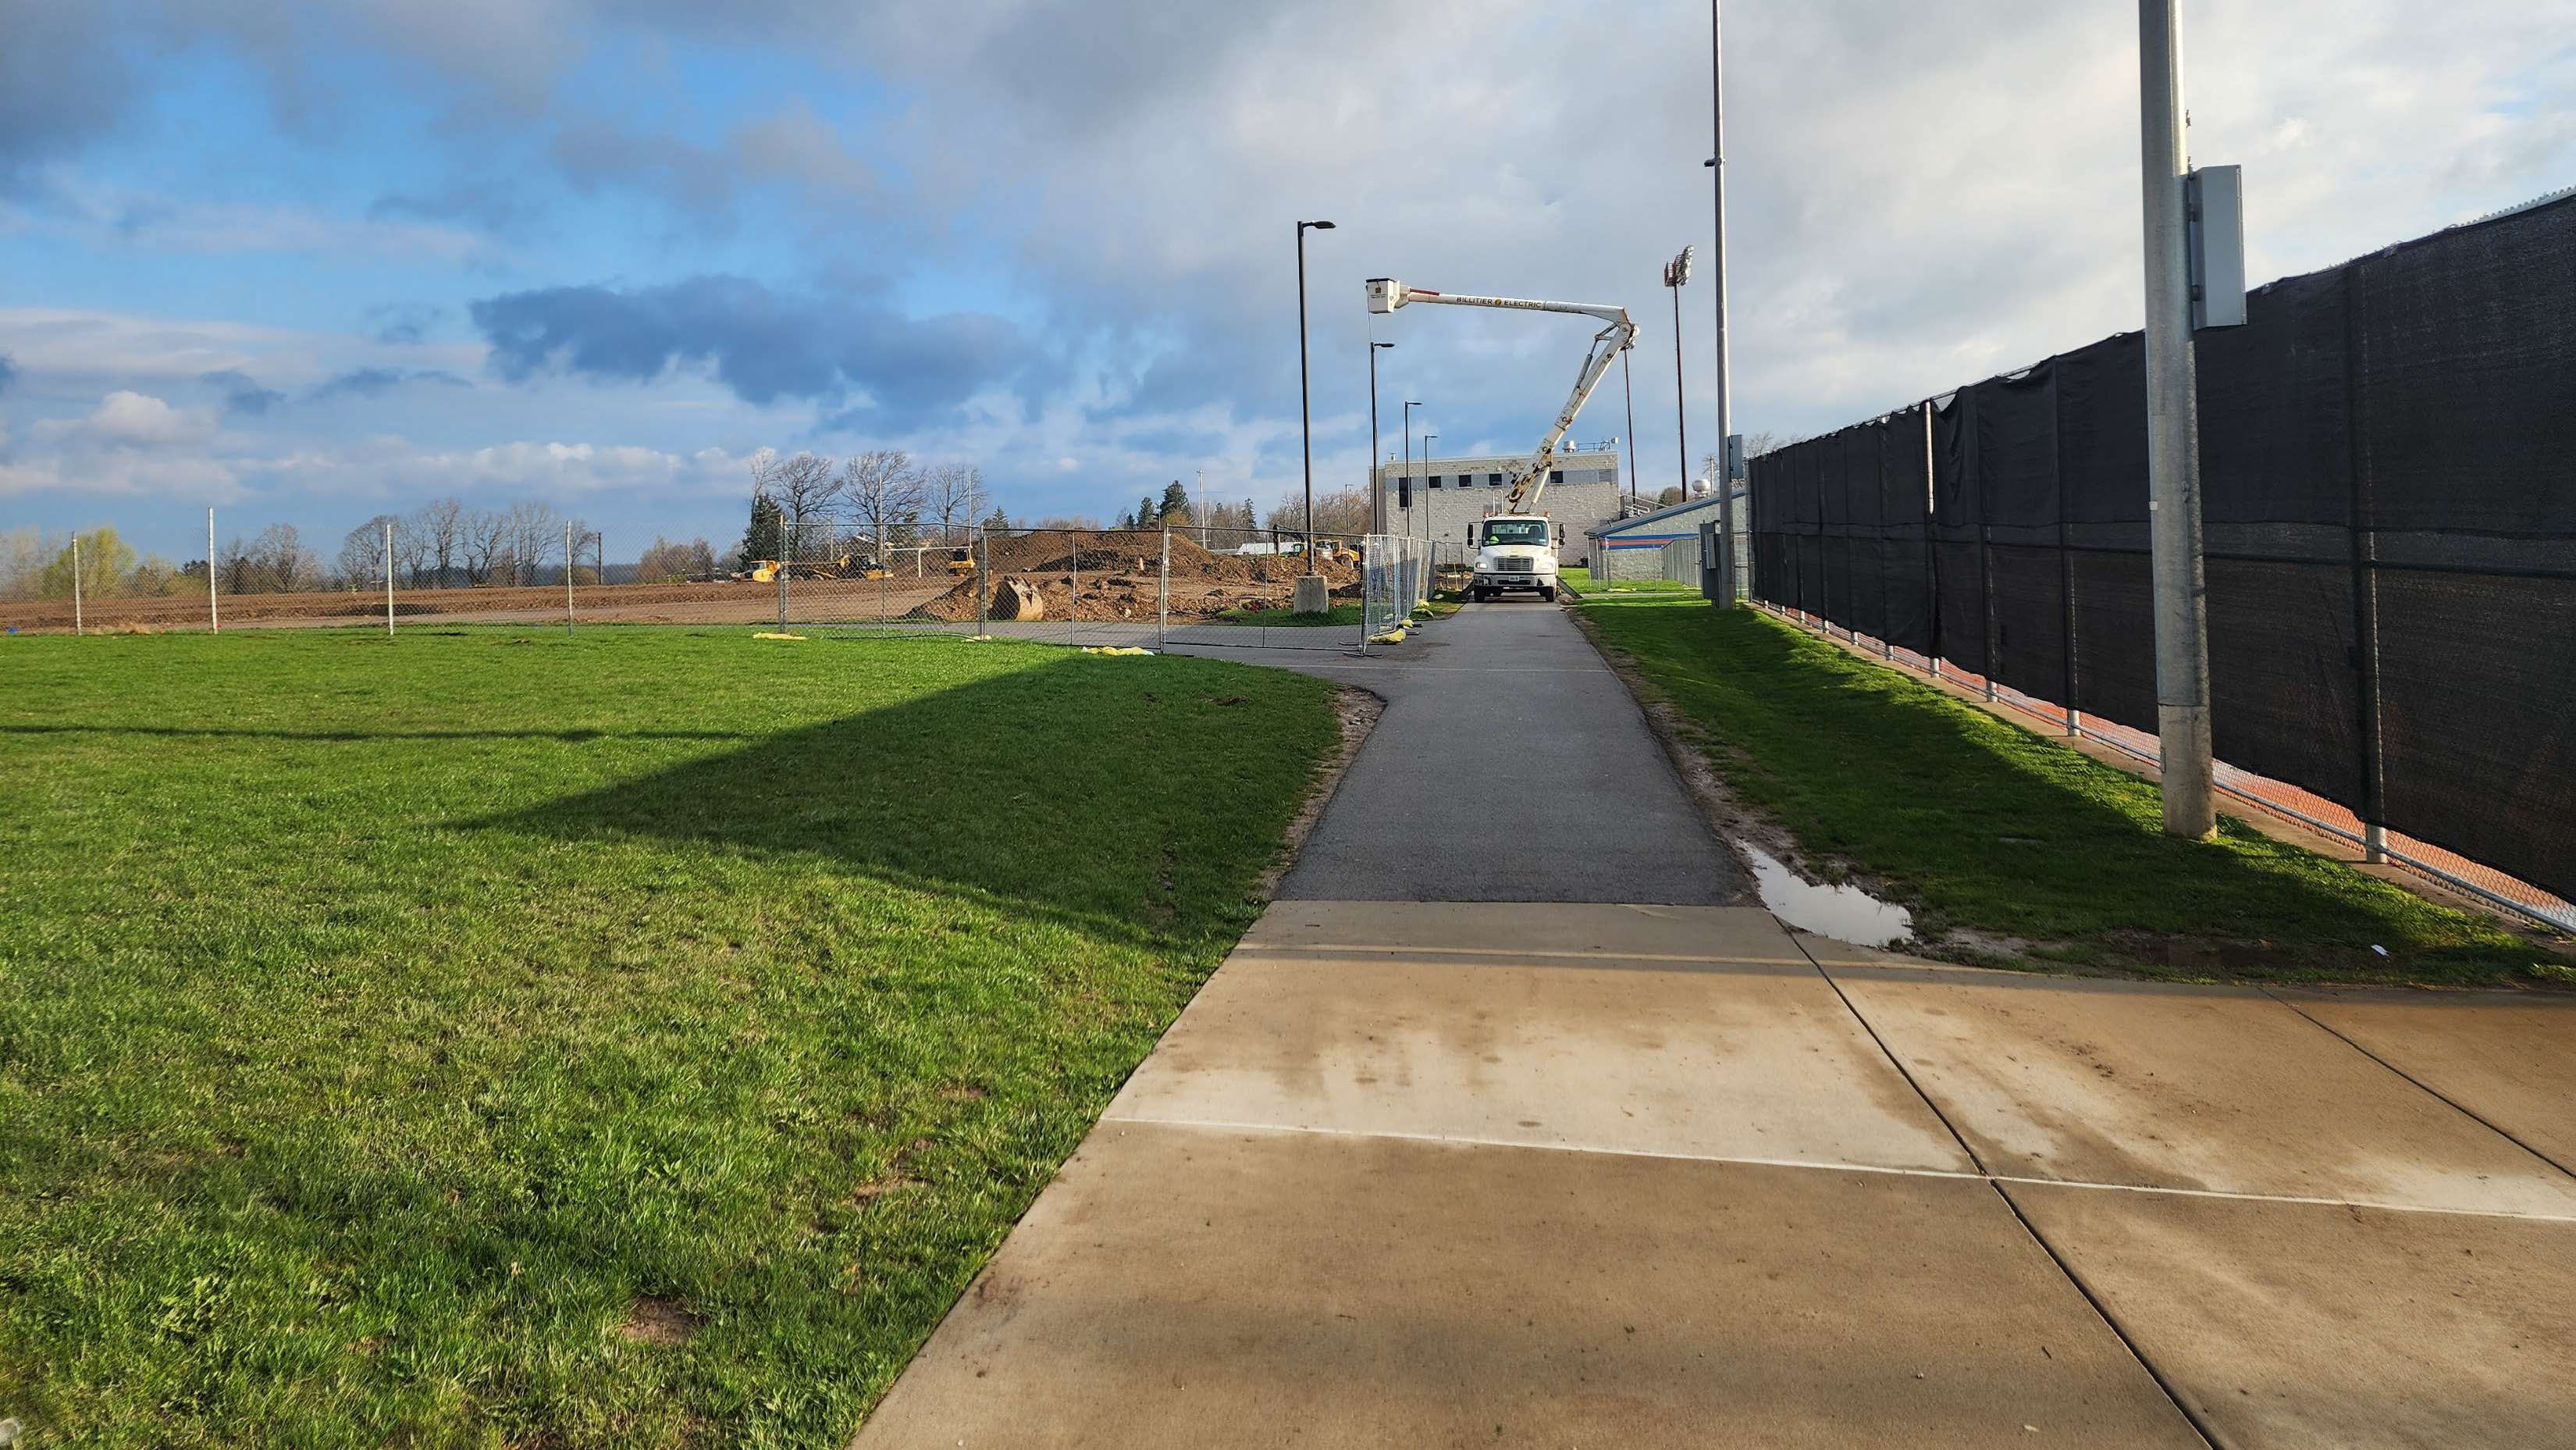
[1447, 495]
[1633, 548]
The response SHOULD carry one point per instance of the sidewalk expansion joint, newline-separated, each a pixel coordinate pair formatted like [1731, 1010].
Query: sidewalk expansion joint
[2437, 1094]
[2000, 1180]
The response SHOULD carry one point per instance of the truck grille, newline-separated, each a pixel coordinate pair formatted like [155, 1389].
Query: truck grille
[1515, 566]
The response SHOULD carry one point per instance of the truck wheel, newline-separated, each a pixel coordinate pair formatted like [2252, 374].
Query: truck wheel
[1548, 594]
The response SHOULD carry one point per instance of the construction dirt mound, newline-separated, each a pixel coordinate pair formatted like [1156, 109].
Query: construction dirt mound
[1121, 575]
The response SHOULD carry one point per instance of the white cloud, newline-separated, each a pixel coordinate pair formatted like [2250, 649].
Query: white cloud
[107, 216]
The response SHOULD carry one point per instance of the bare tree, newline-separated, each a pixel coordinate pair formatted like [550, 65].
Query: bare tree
[362, 553]
[482, 536]
[1342, 511]
[280, 555]
[885, 490]
[803, 486]
[441, 522]
[951, 494]
[413, 550]
[535, 534]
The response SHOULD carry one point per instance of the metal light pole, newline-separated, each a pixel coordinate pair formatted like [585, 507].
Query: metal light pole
[1628, 385]
[1409, 406]
[2173, 435]
[1305, 408]
[1677, 275]
[1377, 472]
[1726, 447]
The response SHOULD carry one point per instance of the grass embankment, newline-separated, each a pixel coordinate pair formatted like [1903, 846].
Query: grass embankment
[630, 1039]
[1582, 582]
[1980, 825]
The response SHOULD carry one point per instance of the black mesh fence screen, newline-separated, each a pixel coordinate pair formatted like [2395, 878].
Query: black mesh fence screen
[2389, 511]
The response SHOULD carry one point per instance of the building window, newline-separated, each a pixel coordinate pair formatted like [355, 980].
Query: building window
[1493, 480]
[1556, 475]
[1435, 480]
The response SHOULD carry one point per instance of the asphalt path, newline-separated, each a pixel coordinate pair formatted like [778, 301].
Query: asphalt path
[1511, 765]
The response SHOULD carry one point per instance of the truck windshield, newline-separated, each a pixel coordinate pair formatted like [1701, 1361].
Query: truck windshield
[1516, 531]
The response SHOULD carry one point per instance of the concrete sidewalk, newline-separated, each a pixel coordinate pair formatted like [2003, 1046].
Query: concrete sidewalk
[1613, 1175]
[1420, 1167]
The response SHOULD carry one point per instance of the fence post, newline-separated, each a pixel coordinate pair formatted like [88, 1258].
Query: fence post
[1985, 551]
[983, 572]
[76, 587]
[1931, 552]
[2364, 539]
[214, 616]
[2065, 550]
[1073, 611]
[567, 577]
[786, 547]
[389, 581]
[1163, 595]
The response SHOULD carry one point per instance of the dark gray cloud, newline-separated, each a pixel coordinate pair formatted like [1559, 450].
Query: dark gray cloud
[764, 345]
[62, 84]
[376, 382]
[242, 393]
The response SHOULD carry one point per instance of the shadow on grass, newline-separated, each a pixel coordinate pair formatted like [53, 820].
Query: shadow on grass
[217, 732]
[1990, 827]
[1136, 799]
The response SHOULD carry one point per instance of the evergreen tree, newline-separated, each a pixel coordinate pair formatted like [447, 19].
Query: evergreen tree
[999, 520]
[1176, 504]
[764, 538]
[1144, 513]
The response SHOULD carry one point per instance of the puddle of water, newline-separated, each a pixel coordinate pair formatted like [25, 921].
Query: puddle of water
[1846, 913]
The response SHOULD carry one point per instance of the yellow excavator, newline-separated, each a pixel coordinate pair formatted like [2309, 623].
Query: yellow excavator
[960, 563]
[848, 566]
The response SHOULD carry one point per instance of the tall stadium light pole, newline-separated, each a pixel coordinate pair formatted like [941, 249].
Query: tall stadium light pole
[1305, 408]
[1677, 275]
[2173, 435]
[1716, 163]
[1377, 471]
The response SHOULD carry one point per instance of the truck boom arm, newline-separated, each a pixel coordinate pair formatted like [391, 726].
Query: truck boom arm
[1385, 294]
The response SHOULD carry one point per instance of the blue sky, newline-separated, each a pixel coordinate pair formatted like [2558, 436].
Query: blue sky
[309, 262]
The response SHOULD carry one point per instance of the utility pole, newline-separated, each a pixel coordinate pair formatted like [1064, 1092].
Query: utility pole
[1728, 450]
[1305, 407]
[214, 616]
[1377, 471]
[2173, 434]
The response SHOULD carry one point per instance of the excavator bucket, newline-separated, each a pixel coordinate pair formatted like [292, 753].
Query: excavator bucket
[1017, 599]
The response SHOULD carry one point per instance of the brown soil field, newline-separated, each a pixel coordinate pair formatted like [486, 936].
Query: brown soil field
[1119, 572]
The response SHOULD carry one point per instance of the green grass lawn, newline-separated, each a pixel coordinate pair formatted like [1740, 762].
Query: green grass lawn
[636, 1038]
[1978, 824]
[1343, 613]
[1581, 581]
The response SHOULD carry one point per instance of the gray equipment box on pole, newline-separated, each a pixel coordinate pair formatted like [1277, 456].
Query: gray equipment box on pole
[2214, 202]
